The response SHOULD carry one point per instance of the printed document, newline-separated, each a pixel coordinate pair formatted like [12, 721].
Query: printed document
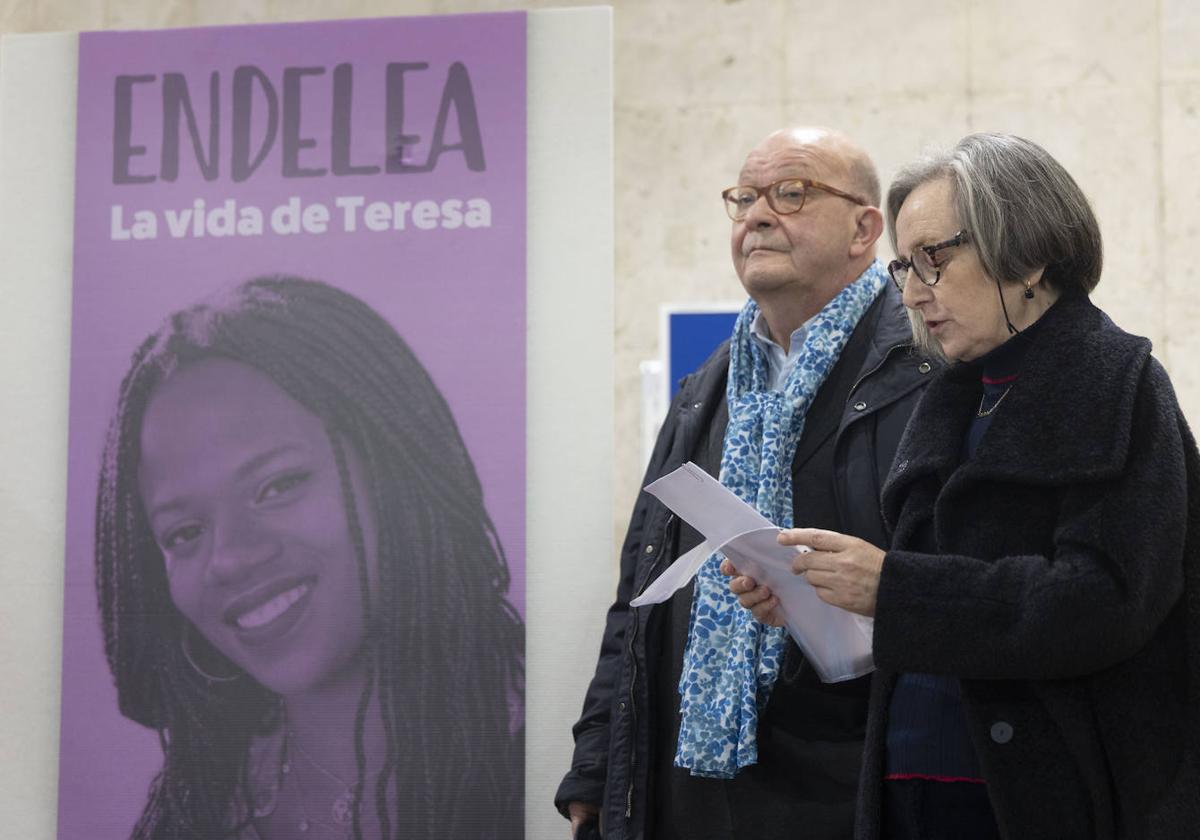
[836, 643]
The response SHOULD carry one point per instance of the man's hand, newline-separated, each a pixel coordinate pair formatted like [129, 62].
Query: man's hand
[580, 813]
[843, 569]
[758, 599]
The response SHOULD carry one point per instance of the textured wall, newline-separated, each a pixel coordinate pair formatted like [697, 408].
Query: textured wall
[1111, 88]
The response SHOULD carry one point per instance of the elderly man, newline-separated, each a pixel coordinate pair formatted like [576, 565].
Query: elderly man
[728, 733]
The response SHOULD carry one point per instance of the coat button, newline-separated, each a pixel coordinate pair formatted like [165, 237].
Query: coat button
[650, 548]
[622, 705]
[1002, 732]
[697, 405]
[860, 406]
[925, 367]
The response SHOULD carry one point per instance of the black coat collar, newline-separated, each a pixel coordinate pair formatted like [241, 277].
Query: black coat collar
[1067, 419]
[889, 329]
[702, 394]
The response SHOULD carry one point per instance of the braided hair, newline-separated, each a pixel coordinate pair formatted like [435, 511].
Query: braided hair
[445, 649]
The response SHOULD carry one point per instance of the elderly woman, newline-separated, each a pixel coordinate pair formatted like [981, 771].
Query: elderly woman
[1037, 617]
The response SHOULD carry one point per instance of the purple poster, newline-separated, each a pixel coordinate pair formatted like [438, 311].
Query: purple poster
[296, 502]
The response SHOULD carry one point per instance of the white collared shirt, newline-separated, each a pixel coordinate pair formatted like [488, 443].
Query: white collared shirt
[779, 363]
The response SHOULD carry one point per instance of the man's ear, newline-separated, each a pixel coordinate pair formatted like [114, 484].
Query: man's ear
[868, 228]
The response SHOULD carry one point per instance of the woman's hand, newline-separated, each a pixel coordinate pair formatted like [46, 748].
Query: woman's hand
[843, 569]
[757, 599]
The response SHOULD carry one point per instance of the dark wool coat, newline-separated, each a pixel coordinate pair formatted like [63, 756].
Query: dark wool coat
[1065, 590]
[614, 734]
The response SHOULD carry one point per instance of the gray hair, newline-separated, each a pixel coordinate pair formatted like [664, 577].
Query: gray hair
[1022, 209]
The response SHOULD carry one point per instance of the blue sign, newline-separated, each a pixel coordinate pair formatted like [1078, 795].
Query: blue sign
[691, 338]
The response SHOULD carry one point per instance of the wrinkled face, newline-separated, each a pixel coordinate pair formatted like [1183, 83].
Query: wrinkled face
[774, 253]
[962, 312]
[244, 498]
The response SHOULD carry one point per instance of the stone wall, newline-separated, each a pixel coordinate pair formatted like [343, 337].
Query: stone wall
[1111, 88]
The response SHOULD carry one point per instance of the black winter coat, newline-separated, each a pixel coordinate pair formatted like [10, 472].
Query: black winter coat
[1065, 592]
[614, 732]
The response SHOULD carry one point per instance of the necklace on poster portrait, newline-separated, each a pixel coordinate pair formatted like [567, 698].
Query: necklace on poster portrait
[308, 818]
[341, 812]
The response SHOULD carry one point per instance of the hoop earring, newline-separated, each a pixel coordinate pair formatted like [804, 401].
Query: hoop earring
[187, 655]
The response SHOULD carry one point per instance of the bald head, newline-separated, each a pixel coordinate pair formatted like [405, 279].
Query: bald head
[829, 150]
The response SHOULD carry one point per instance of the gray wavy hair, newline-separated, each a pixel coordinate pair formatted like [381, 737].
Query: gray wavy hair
[1023, 210]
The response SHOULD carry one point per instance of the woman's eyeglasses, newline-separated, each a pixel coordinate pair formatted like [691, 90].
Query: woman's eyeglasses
[923, 262]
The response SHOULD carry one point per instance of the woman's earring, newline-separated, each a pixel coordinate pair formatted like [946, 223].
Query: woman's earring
[1028, 291]
[187, 654]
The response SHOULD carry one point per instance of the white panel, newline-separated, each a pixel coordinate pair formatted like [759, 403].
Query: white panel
[37, 173]
[569, 565]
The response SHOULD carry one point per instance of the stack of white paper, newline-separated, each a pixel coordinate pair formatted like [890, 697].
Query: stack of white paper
[837, 643]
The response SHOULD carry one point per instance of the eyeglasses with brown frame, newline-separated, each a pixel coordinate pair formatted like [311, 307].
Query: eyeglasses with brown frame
[784, 197]
[923, 262]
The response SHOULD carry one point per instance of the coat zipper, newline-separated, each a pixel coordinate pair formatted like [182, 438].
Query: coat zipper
[838, 500]
[880, 364]
[633, 676]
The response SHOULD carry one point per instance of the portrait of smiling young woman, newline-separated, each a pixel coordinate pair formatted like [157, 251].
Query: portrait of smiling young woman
[242, 491]
[300, 587]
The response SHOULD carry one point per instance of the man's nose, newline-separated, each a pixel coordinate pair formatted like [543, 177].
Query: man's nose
[240, 544]
[760, 214]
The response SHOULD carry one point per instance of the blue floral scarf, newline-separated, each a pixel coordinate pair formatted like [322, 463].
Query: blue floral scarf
[731, 661]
